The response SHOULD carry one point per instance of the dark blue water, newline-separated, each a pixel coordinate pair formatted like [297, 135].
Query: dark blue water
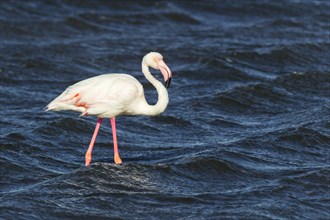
[246, 134]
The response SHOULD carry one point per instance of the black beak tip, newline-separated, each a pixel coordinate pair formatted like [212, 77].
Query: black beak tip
[168, 82]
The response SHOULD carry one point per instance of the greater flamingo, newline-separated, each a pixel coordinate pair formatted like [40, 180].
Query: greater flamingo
[111, 95]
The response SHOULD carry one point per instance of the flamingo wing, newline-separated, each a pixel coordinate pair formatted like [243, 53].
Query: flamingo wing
[106, 95]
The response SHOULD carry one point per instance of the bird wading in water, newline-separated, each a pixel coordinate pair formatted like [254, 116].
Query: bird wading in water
[111, 95]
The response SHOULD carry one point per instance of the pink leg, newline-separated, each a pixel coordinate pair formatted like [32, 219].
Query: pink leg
[88, 155]
[115, 143]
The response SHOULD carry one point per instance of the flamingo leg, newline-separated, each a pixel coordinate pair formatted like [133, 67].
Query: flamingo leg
[88, 155]
[115, 143]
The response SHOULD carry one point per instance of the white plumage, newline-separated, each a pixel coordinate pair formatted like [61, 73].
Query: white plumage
[104, 96]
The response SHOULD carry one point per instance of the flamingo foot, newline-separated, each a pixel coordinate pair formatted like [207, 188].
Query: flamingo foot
[88, 159]
[117, 159]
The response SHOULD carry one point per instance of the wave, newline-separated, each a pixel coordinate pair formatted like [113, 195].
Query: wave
[284, 94]
[293, 55]
[135, 177]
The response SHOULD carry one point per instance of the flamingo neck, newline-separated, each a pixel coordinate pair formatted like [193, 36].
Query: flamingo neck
[162, 102]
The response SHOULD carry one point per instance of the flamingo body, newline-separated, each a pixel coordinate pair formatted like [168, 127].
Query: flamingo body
[104, 96]
[111, 95]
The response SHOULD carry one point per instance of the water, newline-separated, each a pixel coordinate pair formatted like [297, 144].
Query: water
[246, 134]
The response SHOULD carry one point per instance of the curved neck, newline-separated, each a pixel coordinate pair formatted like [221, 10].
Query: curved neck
[162, 102]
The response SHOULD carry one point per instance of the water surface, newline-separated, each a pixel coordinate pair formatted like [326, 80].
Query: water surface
[246, 134]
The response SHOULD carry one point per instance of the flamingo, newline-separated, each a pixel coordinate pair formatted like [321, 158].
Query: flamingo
[111, 95]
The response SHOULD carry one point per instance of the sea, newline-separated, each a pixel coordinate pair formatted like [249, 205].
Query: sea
[246, 134]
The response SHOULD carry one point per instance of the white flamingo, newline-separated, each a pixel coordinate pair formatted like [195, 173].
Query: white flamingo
[111, 95]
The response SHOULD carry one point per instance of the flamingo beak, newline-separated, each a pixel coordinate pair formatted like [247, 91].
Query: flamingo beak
[165, 71]
[167, 83]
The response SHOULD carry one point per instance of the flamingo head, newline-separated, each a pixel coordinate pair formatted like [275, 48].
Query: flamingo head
[155, 60]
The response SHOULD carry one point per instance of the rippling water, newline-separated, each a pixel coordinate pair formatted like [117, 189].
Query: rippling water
[246, 134]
